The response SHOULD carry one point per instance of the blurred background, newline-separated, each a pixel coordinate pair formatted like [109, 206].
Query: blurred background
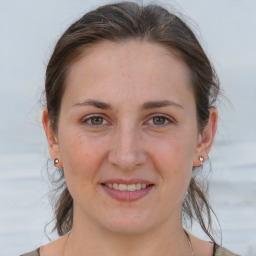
[28, 32]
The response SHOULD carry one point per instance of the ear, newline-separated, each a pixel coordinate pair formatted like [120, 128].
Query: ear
[206, 138]
[53, 145]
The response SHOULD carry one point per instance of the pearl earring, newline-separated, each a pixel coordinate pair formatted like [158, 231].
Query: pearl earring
[56, 161]
[201, 159]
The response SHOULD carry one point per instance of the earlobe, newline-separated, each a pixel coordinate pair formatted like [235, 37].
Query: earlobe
[57, 163]
[206, 138]
[51, 136]
[198, 162]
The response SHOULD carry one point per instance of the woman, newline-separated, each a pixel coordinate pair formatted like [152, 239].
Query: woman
[130, 117]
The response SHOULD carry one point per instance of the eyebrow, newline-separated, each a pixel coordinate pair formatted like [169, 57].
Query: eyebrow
[94, 103]
[159, 104]
[145, 106]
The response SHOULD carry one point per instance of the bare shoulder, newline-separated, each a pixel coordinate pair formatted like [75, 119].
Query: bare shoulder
[54, 248]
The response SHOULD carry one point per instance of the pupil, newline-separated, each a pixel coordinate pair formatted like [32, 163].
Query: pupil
[158, 120]
[97, 120]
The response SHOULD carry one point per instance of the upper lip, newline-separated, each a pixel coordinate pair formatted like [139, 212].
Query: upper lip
[123, 181]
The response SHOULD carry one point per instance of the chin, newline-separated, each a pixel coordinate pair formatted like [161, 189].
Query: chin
[127, 228]
[129, 224]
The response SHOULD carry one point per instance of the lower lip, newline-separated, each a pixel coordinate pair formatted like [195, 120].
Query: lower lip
[127, 195]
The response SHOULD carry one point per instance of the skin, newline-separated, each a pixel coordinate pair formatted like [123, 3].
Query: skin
[160, 144]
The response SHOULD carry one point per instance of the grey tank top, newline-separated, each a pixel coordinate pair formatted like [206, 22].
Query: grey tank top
[217, 251]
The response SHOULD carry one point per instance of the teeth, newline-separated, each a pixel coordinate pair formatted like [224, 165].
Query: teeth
[122, 187]
[125, 187]
[138, 186]
[131, 187]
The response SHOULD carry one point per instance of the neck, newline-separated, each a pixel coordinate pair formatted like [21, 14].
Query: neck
[163, 240]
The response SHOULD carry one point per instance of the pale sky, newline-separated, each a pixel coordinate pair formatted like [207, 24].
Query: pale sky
[29, 30]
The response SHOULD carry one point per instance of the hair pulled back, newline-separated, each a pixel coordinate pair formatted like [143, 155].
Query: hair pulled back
[131, 21]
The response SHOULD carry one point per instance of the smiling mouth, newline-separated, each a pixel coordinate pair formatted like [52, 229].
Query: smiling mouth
[127, 187]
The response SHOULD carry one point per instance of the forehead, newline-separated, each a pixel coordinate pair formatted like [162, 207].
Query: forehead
[126, 69]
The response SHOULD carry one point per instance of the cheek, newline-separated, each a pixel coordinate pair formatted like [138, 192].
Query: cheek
[173, 160]
[175, 152]
[82, 157]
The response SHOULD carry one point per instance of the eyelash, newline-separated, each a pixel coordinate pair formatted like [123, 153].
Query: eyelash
[167, 121]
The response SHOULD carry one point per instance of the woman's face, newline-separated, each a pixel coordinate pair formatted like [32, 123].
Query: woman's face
[128, 120]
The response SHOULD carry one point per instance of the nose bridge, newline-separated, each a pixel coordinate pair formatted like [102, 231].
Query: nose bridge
[127, 151]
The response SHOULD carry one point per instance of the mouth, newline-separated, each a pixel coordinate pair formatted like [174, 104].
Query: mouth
[127, 191]
[127, 187]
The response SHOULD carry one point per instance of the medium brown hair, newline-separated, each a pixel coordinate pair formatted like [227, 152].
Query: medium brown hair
[131, 21]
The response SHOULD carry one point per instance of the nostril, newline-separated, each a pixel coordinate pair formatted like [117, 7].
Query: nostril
[127, 160]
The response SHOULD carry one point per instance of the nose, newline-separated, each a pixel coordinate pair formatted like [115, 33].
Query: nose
[127, 152]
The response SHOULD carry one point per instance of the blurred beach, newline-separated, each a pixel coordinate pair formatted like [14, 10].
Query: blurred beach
[29, 30]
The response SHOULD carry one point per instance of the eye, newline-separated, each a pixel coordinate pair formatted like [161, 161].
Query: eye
[95, 121]
[159, 121]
